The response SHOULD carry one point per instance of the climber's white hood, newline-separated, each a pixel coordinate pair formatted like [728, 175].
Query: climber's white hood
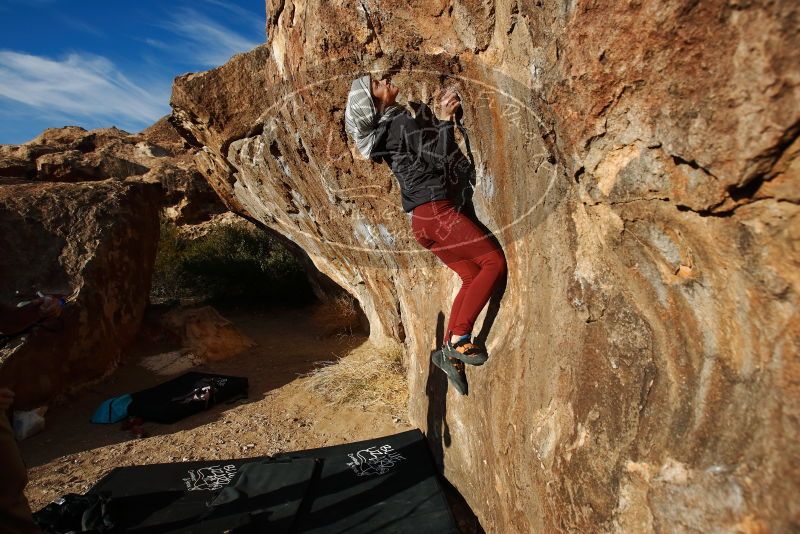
[360, 116]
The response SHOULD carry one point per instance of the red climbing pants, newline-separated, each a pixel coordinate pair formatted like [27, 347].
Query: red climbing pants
[463, 247]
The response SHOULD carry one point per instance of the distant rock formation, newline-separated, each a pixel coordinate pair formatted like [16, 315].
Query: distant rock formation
[79, 211]
[206, 334]
[97, 242]
[638, 163]
[158, 154]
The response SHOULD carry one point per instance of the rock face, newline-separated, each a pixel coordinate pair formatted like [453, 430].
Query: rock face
[638, 163]
[207, 334]
[158, 154]
[93, 240]
[188, 199]
[79, 211]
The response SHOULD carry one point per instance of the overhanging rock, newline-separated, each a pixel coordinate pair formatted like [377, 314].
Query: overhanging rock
[638, 165]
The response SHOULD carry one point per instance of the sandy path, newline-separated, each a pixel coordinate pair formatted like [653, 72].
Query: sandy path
[279, 415]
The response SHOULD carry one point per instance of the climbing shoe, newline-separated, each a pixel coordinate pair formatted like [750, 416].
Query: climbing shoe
[466, 351]
[454, 369]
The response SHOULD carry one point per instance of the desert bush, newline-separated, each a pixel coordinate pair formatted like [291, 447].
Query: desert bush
[339, 315]
[230, 263]
[366, 378]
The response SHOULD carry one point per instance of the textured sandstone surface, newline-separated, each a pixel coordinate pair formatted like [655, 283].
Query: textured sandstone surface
[93, 240]
[637, 162]
[158, 154]
[207, 334]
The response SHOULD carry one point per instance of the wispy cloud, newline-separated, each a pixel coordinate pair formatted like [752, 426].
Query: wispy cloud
[156, 43]
[80, 87]
[128, 85]
[256, 21]
[81, 25]
[206, 41]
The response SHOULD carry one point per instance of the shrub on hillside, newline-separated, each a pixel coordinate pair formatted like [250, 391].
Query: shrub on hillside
[230, 263]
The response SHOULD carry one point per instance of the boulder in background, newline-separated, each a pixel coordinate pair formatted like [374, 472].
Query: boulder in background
[94, 240]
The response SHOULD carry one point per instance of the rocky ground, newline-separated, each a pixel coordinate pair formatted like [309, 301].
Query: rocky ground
[279, 415]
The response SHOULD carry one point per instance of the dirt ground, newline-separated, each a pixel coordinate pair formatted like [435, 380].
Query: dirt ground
[279, 415]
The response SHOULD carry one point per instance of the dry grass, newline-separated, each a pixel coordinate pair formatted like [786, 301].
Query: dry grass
[338, 316]
[365, 378]
[346, 306]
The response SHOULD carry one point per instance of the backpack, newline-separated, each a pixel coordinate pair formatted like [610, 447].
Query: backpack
[112, 410]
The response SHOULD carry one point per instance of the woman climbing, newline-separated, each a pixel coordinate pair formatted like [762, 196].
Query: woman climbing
[417, 149]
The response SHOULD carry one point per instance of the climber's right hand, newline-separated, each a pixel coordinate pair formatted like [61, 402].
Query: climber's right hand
[449, 104]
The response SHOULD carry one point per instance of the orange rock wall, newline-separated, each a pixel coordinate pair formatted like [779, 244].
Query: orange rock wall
[637, 162]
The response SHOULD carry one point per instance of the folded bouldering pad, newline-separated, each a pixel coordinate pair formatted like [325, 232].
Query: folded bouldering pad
[387, 484]
[185, 395]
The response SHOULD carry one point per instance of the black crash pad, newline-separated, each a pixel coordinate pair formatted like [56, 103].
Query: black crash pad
[383, 485]
[185, 395]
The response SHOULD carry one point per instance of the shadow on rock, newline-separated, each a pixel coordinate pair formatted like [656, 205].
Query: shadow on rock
[461, 180]
[438, 432]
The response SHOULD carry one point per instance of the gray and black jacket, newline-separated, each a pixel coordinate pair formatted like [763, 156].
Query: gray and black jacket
[417, 149]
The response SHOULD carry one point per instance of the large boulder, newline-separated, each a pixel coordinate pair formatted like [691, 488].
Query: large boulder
[95, 241]
[206, 334]
[157, 154]
[638, 163]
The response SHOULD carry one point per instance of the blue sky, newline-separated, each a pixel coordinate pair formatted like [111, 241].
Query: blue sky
[96, 63]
